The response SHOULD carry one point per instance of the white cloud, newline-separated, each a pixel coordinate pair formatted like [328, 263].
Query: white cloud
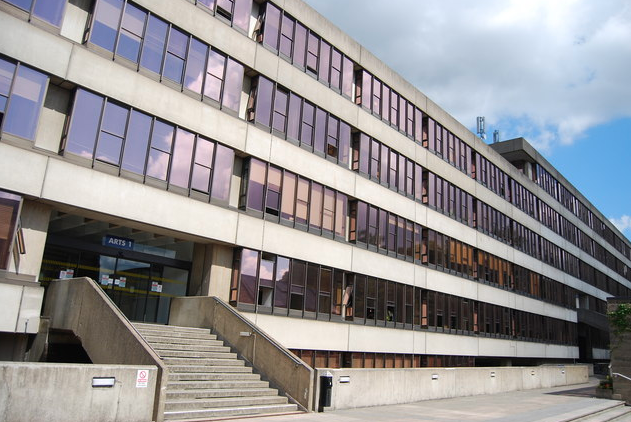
[623, 223]
[545, 70]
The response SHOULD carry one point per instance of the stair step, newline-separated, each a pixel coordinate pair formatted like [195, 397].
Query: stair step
[229, 361]
[194, 354]
[207, 393]
[213, 376]
[151, 339]
[189, 348]
[178, 335]
[209, 368]
[204, 414]
[148, 326]
[222, 402]
[210, 384]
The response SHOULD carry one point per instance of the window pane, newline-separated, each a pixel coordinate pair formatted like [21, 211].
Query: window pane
[302, 201]
[247, 287]
[256, 184]
[347, 77]
[204, 150]
[282, 283]
[176, 52]
[131, 32]
[26, 101]
[7, 69]
[320, 130]
[85, 123]
[182, 157]
[340, 215]
[195, 66]
[328, 213]
[315, 213]
[293, 117]
[345, 143]
[50, 10]
[214, 75]
[288, 196]
[224, 160]
[22, 4]
[9, 208]
[271, 28]
[307, 127]
[136, 142]
[208, 3]
[106, 20]
[313, 45]
[300, 45]
[264, 101]
[112, 133]
[161, 140]
[233, 85]
[153, 47]
[272, 199]
[325, 61]
[241, 14]
[280, 110]
[287, 36]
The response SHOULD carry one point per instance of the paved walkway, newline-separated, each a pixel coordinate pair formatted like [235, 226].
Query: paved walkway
[544, 405]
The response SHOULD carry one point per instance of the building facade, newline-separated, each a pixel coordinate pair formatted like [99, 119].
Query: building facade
[251, 150]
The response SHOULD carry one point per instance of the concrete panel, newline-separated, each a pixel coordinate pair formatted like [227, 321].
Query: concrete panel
[53, 119]
[376, 339]
[116, 196]
[294, 243]
[300, 161]
[384, 198]
[30, 309]
[34, 217]
[10, 297]
[378, 387]
[250, 231]
[444, 282]
[497, 347]
[378, 265]
[75, 19]
[258, 143]
[266, 62]
[303, 333]
[46, 51]
[21, 170]
[447, 225]
[55, 392]
[447, 344]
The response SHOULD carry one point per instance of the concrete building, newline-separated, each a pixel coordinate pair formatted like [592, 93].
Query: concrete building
[251, 150]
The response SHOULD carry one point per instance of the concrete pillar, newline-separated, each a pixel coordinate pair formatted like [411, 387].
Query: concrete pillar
[34, 218]
[212, 271]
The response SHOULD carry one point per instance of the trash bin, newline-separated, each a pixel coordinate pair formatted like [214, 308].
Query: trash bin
[326, 388]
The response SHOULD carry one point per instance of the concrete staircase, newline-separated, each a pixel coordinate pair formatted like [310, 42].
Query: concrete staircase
[615, 412]
[206, 380]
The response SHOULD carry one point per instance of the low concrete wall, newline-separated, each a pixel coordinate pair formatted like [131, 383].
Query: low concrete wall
[274, 362]
[80, 305]
[620, 353]
[59, 392]
[376, 387]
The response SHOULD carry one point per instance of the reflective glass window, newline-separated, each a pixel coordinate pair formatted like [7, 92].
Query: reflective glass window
[288, 196]
[308, 122]
[202, 165]
[136, 142]
[280, 110]
[241, 14]
[300, 45]
[345, 143]
[271, 30]
[256, 184]
[347, 77]
[336, 69]
[281, 281]
[264, 94]
[302, 201]
[328, 210]
[160, 152]
[27, 97]
[341, 202]
[22, 4]
[7, 70]
[84, 124]
[9, 214]
[208, 3]
[112, 134]
[222, 173]
[131, 32]
[176, 53]
[332, 140]
[105, 26]
[214, 75]
[153, 46]
[325, 61]
[313, 46]
[249, 266]
[225, 8]
[320, 130]
[286, 36]
[195, 64]
[50, 11]
[315, 211]
[182, 157]
[293, 116]
[272, 198]
[233, 85]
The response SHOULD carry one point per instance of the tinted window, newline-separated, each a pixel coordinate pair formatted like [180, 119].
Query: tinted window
[153, 47]
[106, 20]
[26, 101]
[84, 124]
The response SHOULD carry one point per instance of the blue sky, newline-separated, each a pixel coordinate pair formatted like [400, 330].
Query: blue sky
[554, 72]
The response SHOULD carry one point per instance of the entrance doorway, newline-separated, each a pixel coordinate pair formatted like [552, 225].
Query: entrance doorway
[139, 271]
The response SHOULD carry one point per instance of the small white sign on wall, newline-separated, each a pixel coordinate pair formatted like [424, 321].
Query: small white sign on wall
[142, 378]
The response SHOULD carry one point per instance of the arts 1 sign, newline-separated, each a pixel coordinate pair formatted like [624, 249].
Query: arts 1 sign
[118, 242]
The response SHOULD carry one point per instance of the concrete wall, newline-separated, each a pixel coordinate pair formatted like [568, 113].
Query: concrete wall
[376, 387]
[621, 353]
[55, 392]
[268, 357]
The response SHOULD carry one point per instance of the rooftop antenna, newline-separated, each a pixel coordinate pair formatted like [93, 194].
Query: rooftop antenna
[481, 130]
[496, 136]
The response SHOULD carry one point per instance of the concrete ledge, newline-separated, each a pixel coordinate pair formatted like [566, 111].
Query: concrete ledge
[59, 392]
[376, 387]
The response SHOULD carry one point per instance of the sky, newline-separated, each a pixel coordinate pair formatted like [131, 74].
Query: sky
[556, 72]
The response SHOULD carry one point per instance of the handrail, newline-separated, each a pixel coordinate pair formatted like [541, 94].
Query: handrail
[81, 306]
[282, 368]
[617, 374]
